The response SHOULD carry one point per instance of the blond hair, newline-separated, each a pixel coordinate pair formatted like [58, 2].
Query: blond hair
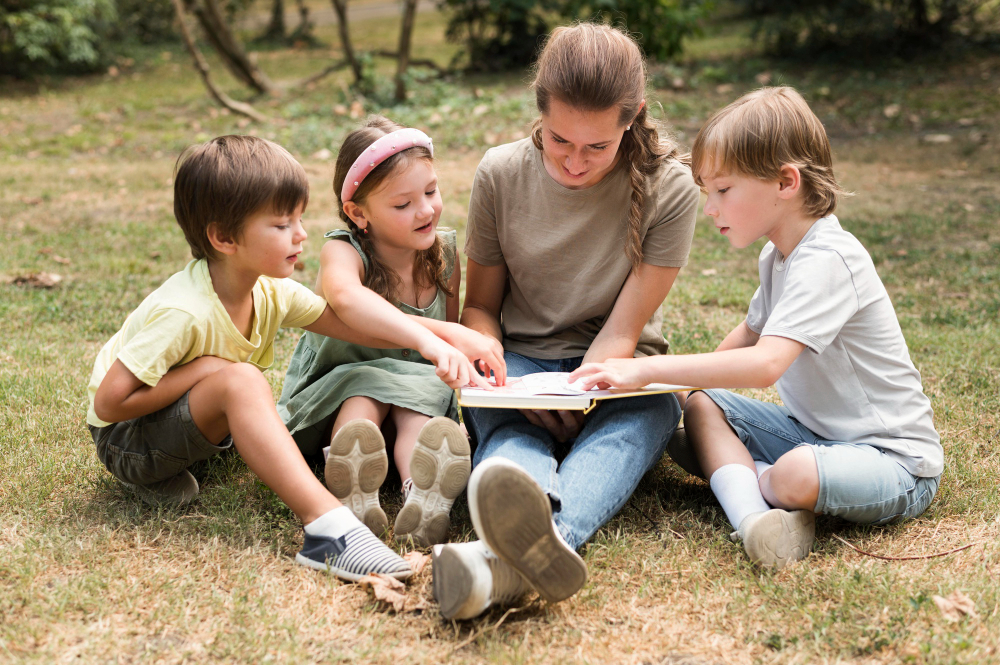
[229, 179]
[429, 267]
[594, 67]
[763, 131]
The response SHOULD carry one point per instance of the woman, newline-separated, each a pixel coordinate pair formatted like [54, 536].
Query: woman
[574, 240]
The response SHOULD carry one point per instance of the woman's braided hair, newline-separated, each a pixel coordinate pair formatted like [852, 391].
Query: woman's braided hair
[594, 67]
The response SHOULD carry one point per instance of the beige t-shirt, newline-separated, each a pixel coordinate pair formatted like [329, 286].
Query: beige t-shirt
[565, 248]
[184, 319]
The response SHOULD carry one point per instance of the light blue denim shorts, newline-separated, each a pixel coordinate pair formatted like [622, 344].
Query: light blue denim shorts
[857, 482]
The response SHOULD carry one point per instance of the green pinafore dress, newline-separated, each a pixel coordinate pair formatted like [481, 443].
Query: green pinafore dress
[324, 372]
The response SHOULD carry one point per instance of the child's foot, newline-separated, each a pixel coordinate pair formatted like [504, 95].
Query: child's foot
[440, 468]
[469, 578]
[338, 543]
[513, 516]
[777, 537]
[177, 491]
[356, 468]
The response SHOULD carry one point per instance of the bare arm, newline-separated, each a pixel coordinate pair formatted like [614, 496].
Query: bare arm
[643, 293]
[757, 366]
[484, 297]
[739, 337]
[122, 396]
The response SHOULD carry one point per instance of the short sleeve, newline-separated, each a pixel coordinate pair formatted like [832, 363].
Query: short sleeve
[164, 339]
[818, 298]
[482, 241]
[348, 237]
[303, 306]
[668, 240]
[757, 312]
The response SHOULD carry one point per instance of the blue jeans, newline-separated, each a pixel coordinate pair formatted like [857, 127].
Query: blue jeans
[620, 441]
[857, 482]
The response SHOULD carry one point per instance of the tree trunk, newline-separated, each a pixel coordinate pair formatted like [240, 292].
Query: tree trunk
[340, 7]
[276, 27]
[202, 67]
[304, 31]
[405, 40]
[229, 48]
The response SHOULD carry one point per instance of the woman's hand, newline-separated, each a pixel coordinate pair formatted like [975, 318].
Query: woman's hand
[452, 366]
[625, 373]
[478, 347]
[563, 425]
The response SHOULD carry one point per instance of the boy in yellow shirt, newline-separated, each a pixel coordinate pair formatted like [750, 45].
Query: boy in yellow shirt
[181, 381]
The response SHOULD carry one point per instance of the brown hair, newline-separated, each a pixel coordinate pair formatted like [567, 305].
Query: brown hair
[595, 67]
[761, 132]
[429, 267]
[227, 180]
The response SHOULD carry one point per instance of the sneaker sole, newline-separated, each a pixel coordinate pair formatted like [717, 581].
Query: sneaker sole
[513, 515]
[356, 469]
[779, 537]
[454, 585]
[440, 469]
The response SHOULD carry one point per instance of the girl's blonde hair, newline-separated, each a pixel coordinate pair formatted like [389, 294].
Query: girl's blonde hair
[761, 132]
[594, 67]
[429, 268]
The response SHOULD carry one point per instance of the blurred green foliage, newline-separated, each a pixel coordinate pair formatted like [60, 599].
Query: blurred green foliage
[660, 26]
[867, 29]
[61, 34]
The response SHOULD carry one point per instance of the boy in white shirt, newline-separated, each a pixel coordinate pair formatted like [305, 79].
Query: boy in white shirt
[855, 437]
[181, 381]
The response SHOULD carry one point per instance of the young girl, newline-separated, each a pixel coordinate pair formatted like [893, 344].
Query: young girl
[391, 262]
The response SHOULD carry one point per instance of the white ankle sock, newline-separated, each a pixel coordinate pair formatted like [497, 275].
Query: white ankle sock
[736, 488]
[334, 523]
[761, 467]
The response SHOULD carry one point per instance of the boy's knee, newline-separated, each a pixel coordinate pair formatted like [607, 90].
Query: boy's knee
[794, 478]
[243, 376]
[699, 406]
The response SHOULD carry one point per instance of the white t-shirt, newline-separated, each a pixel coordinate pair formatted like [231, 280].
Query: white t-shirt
[855, 382]
[184, 319]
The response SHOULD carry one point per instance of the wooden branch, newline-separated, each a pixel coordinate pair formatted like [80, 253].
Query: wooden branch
[202, 67]
[405, 38]
[906, 558]
[416, 62]
[340, 8]
[229, 48]
[337, 66]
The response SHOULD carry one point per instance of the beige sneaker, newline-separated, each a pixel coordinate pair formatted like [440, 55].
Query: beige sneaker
[777, 537]
[512, 514]
[356, 469]
[440, 469]
[469, 579]
[177, 491]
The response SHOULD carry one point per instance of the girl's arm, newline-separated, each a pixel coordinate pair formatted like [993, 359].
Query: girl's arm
[644, 291]
[367, 312]
[739, 337]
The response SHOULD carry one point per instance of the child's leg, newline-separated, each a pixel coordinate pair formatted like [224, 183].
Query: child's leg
[237, 400]
[434, 462]
[793, 482]
[729, 434]
[357, 464]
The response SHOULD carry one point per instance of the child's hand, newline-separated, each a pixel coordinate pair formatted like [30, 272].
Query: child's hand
[477, 346]
[614, 372]
[453, 367]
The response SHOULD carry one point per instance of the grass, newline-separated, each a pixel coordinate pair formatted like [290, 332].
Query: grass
[87, 572]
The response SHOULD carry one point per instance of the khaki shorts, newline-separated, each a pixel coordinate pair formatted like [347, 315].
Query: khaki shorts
[154, 447]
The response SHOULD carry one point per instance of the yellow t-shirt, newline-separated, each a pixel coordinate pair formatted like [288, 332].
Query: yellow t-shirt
[184, 319]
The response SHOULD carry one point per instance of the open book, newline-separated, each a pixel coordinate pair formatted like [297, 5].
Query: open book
[551, 390]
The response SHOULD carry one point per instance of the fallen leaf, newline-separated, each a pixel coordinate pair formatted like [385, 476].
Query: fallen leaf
[763, 78]
[936, 138]
[340, 109]
[709, 272]
[45, 250]
[416, 560]
[61, 259]
[154, 254]
[969, 207]
[31, 200]
[955, 606]
[724, 88]
[298, 265]
[323, 154]
[892, 110]
[480, 109]
[37, 280]
[386, 589]
[357, 110]
[677, 83]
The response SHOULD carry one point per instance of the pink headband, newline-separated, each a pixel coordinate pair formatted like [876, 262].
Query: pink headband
[378, 152]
